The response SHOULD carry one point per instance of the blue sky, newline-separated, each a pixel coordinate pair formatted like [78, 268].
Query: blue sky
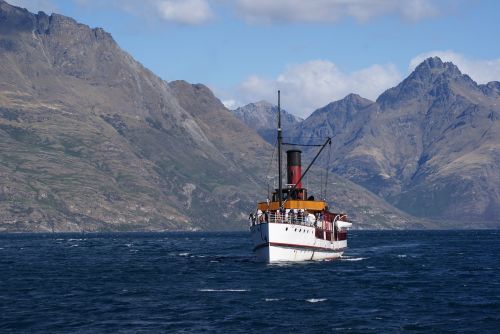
[315, 51]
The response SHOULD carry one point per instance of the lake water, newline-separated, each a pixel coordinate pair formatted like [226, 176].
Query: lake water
[387, 282]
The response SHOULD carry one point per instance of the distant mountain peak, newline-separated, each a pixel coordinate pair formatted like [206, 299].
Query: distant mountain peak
[259, 105]
[434, 66]
[351, 101]
[262, 117]
[432, 76]
[432, 62]
[356, 99]
[20, 19]
[263, 103]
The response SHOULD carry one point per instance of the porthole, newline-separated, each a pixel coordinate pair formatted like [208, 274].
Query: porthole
[295, 230]
[286, 229]
[300, 230]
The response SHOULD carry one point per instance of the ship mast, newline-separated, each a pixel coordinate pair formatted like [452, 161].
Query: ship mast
[280, 185]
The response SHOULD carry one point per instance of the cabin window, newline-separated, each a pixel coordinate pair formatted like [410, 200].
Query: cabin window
[319, 233]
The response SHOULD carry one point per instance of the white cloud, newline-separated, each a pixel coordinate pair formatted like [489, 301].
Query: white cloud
[313, 84]
[189, 12]
[480, 70]
[333, 10]
[184, 11]
[35, 6]
[231, 104]
[193, 12]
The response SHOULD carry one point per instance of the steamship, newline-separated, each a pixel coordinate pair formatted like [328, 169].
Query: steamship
[292, 225]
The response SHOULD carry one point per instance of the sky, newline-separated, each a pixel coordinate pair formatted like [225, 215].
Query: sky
[314, 51]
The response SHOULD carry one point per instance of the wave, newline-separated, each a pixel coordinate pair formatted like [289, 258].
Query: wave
[292, 263]
[223, 290]
[272, 299]
[316, 300]
[348, 258]
[385, 248]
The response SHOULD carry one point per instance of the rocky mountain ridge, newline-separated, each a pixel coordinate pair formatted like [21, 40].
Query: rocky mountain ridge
[430, 146]
[90, 140]
[262, 117]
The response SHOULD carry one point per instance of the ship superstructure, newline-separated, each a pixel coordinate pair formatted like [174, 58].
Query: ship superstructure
[292, 225]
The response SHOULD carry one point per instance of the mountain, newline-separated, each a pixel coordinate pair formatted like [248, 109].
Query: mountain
[430, 146]
[339, 120]
[90, 140]
[263, 117]
[367, 209]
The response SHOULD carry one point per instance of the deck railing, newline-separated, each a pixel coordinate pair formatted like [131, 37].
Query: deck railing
[322, 232]
[286, 218]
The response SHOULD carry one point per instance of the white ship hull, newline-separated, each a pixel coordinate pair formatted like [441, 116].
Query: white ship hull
[278, 242]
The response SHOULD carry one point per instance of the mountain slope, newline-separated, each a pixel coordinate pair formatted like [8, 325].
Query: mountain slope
[457, 174]
[90, 139]
[263, 116]
[431, 145]
[339, 120]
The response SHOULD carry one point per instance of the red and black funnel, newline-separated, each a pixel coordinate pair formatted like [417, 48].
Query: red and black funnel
[293, 160]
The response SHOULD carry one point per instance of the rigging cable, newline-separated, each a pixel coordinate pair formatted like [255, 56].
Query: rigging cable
[321, 185]
[310, 145]
[327, 170]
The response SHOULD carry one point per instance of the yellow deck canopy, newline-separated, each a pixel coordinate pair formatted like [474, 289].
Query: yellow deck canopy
[294, 204]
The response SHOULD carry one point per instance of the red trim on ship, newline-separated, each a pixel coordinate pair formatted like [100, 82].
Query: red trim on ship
[296, 246]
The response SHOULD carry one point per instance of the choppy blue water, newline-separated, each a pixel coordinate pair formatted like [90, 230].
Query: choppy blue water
[388, 282]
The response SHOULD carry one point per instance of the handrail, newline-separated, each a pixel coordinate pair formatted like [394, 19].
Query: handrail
[283, 218]
[294, 218]
[288, 218]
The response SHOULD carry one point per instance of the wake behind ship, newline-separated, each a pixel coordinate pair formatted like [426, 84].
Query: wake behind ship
[292, 226]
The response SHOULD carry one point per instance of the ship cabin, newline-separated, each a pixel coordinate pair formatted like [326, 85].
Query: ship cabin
[299, 209]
